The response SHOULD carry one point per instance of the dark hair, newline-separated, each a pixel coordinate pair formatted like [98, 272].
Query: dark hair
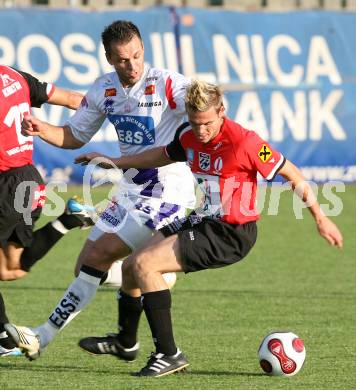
[121, 31]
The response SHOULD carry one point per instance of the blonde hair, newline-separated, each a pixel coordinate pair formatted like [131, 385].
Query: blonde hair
[201, 96]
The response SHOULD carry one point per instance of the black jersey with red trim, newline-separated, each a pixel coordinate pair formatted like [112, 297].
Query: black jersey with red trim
[226, 169]
[18, 92]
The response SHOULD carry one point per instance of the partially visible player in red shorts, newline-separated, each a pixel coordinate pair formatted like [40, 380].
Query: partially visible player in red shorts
[225, 159]
[21, 185]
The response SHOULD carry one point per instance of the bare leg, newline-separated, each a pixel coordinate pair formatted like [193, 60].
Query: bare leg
[10, 262]
[143, 270]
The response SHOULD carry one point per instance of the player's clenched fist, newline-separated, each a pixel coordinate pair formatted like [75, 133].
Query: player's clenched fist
[31, 126]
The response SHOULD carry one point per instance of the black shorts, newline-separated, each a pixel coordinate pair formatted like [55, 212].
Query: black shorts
[17, 226]
[210, 243]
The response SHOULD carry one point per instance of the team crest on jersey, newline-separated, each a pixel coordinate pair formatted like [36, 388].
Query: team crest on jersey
[265, 153]
[150, 89]
[204, 161]
[110, 92]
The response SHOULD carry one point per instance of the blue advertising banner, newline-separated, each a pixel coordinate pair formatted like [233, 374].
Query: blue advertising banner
[289, 76]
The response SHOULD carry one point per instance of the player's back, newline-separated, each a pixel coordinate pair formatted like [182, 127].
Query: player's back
[15, 149]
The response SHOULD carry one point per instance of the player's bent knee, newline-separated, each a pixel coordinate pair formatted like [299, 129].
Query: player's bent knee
[101, 258]
[129, 269]
[141, 265]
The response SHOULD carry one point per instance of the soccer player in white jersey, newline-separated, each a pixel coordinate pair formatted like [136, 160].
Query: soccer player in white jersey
[145, 105]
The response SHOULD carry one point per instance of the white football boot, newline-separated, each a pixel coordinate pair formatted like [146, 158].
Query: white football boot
[26, 340]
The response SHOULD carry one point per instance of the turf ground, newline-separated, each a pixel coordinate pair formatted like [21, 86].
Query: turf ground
[291, 280]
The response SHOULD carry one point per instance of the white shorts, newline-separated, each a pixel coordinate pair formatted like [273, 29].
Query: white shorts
[135, 218]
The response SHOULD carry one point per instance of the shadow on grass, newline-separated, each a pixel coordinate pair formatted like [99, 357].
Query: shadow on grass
[90, 370]
[57, 368]
[255, 293]
[224, 373]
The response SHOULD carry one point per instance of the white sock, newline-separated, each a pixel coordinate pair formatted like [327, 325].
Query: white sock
[78, 295]
[58, 225]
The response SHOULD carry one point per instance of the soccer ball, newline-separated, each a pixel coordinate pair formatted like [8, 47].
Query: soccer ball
[170, 278]
[282, 354]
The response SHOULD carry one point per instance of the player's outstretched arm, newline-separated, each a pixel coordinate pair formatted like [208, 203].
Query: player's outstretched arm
[325, 226]
[60, 136]
[63, 97]
[152, 158]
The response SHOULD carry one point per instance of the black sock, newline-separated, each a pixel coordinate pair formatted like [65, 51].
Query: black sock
[3, 316]
[70, 221]
[5, 342]
[102, 280]
[157, 306]
[130, 310]
[43, 240]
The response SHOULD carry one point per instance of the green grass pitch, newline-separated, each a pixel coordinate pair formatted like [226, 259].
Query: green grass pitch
[292, 280]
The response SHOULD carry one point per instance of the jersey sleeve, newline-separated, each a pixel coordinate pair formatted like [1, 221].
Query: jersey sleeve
[174, 150]
[40, 92]
[88, 119]
[262, 157]
[176, 86]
